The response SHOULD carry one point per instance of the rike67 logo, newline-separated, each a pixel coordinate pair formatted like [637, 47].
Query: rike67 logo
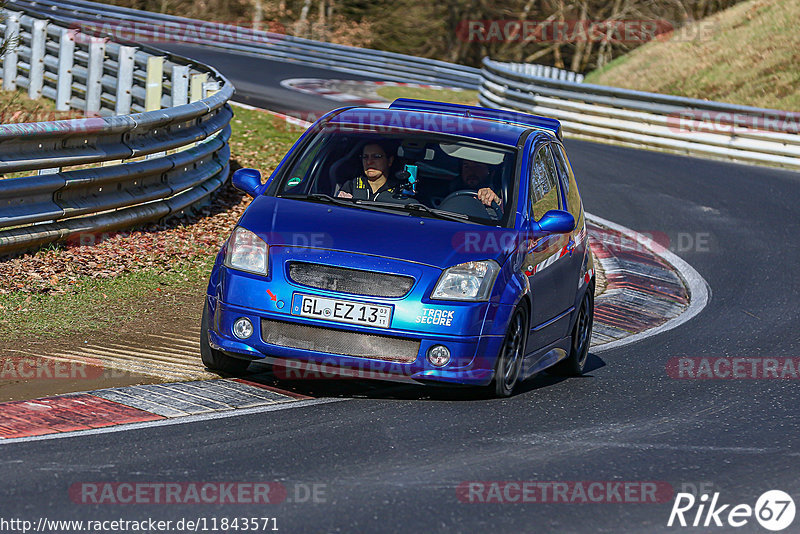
[774, 510]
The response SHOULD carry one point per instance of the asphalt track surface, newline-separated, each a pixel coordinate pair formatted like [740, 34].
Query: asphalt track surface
[258, 80]
[391, 459]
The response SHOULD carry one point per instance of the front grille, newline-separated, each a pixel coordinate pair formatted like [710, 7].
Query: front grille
[353, 281]
[342, 342]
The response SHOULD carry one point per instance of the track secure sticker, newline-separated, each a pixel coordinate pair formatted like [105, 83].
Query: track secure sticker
[436, 317]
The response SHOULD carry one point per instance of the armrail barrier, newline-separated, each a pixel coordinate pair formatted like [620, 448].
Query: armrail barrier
[154, 141]
[158, 26]
[651, 120]
[598, 113]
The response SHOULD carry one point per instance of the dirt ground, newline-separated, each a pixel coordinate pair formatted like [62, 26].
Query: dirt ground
[174, 312]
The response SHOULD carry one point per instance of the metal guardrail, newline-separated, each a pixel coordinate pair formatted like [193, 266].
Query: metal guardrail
[388, 65]
[169, 28]
[144, 166]
[544, 71]
[664, 122]
[599, 113]
[102, 77]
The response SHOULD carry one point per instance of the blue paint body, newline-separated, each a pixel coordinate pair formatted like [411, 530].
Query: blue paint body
[544, 267]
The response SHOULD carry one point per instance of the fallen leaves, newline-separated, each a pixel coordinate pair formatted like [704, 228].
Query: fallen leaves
[161, 246]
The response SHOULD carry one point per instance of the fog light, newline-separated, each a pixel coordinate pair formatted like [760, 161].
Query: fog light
[242, 328]
[439, 355]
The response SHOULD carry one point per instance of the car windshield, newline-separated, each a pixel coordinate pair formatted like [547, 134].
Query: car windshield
[419, 173]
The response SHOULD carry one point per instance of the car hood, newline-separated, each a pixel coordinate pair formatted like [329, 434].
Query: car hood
[401, 236]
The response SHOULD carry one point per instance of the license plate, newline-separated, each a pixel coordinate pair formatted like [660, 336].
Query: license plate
[343, 311]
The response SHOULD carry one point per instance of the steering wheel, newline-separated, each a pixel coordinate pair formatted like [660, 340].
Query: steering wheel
[494, 210]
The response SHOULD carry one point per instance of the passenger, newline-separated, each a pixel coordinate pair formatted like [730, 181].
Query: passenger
[475, 175]
[376, 178]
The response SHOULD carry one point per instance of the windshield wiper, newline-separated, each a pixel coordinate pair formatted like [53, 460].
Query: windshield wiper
[444, 214]
[349, 202]
[316, 196]
[416, 206]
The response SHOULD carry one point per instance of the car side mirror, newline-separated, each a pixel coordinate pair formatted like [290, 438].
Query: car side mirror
[556, 222]
[247, 181]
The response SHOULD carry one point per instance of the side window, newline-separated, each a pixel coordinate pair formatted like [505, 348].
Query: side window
[567, 181]
[304, 168]
[544, 193]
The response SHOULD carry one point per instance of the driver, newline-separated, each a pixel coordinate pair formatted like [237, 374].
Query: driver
[475, 174]
[376, 177]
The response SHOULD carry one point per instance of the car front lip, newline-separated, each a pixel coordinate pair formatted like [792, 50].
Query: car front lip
[469, 363]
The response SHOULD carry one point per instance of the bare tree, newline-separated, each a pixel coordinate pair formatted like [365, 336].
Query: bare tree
[436, 29]
[258, 14]
[302, 26]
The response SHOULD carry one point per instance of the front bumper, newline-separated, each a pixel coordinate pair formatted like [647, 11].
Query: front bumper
[472, 357]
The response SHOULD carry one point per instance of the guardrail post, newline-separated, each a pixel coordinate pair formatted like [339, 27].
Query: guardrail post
[36, 76]
[155, 75]
[180, 85]
[66, 51]
[125, 80]
[210, 88]
[197, 86]
[10, 59]
[94, 87]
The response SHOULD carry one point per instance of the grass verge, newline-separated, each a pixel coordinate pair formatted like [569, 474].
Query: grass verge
[73, 288]
[95, 304]
[748, 54]
[16, 108]
[465, 96]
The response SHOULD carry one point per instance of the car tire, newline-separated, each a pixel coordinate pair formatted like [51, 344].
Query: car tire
[512, 353]
[575, 362]
[215, 360]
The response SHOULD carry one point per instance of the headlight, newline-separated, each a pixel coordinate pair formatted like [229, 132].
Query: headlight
[468, 281]
[246, 252]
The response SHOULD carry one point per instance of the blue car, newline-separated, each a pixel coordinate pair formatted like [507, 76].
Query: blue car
[429, 242]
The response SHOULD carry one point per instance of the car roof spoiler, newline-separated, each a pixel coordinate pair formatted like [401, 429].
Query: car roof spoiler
[513, 117]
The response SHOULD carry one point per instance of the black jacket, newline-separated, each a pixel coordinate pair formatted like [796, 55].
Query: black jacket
[360, 189]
